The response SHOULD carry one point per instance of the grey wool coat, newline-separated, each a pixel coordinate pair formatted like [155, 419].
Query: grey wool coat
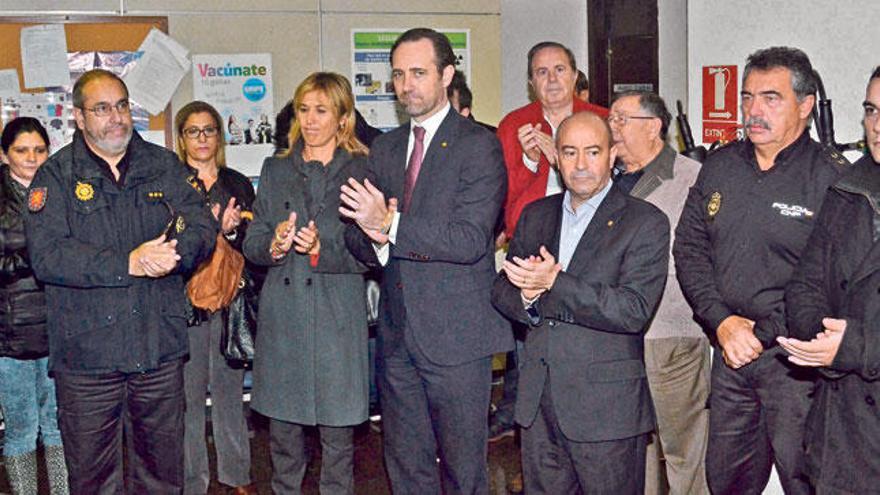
[310, 364]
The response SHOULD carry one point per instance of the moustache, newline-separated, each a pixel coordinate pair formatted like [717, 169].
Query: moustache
[757, 122]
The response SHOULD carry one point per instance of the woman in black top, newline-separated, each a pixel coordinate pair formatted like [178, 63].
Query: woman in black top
[200, 145]
[27, 393]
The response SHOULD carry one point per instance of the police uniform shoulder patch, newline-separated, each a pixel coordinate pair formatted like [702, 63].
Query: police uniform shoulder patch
[36, 199]
[714, 205]
[836, 157]
[84, 191]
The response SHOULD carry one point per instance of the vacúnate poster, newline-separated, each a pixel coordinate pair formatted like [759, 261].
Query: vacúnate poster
[239, 86]
[371, 72]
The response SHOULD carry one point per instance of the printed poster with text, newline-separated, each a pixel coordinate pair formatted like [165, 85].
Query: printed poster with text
[371, 72]
[239, 86]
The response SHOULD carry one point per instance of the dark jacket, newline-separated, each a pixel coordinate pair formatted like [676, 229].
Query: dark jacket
[100, 318]
[742, 231]
[22, 301]
[839, 277]
[586, 334]
[436, 283]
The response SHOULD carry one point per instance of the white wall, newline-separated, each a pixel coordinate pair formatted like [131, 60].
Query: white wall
[302, 35]
[673, 34]
[527, 22]
[839, 37]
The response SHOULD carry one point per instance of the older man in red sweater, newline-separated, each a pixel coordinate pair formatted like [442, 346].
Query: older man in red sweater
[527, 133]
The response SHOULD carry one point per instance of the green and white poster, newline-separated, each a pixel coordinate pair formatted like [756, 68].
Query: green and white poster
[371, 72]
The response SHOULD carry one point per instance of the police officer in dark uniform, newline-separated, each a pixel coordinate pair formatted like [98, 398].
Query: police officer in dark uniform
[114, 225]
[744, 225]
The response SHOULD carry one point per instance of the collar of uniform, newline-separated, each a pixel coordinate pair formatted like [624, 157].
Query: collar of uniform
[92, 166]
[863, 179]
[784, 155]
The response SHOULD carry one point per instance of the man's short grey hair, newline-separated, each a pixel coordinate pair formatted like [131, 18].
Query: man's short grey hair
[803, 80]
[651, 104]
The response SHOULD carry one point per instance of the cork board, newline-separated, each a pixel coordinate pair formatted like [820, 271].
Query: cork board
[85, 33]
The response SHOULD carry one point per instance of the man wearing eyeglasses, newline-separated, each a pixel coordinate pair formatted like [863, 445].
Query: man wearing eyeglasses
[677, 356]
[833, 307]
[114, 225]
[743, 228]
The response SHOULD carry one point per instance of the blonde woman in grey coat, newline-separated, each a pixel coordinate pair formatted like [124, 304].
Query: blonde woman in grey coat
[310, 366]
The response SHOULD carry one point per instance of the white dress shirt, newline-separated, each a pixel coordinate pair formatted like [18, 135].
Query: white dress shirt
[431, 125]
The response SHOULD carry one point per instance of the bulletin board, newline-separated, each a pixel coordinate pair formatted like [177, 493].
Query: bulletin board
[86, 33]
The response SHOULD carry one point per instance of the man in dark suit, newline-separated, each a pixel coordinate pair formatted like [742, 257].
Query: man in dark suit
[585, 271]
[437, 329]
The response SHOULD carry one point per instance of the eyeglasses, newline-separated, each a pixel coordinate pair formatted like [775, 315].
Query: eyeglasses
[195, 132]
[104, 109]
[621, 119]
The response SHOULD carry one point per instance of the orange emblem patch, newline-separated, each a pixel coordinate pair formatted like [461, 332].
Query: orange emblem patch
[37, 199]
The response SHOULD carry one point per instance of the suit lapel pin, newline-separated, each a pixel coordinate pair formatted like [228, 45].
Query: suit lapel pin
[443, 144]
[610, 223]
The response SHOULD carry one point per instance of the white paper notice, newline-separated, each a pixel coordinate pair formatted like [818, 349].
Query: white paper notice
[154, 78]
[9, 83]
[44, 56]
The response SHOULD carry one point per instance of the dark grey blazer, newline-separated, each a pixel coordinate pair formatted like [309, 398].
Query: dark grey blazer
[587, 335]
[440, 272]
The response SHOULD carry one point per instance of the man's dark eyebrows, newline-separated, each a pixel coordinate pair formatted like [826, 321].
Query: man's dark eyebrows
[867, 104]
[770, 92]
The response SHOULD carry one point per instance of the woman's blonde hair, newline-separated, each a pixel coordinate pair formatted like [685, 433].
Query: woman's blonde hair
[337, 89]
[180, 120]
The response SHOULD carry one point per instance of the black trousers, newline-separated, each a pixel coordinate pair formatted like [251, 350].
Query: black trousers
[431, 411]
[553, 464]
[136, 415]
[757, 418]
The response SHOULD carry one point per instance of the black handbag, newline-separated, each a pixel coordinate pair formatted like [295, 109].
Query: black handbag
[239, 335]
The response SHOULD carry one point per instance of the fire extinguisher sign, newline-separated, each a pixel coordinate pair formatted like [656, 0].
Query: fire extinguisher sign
[720, 103]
